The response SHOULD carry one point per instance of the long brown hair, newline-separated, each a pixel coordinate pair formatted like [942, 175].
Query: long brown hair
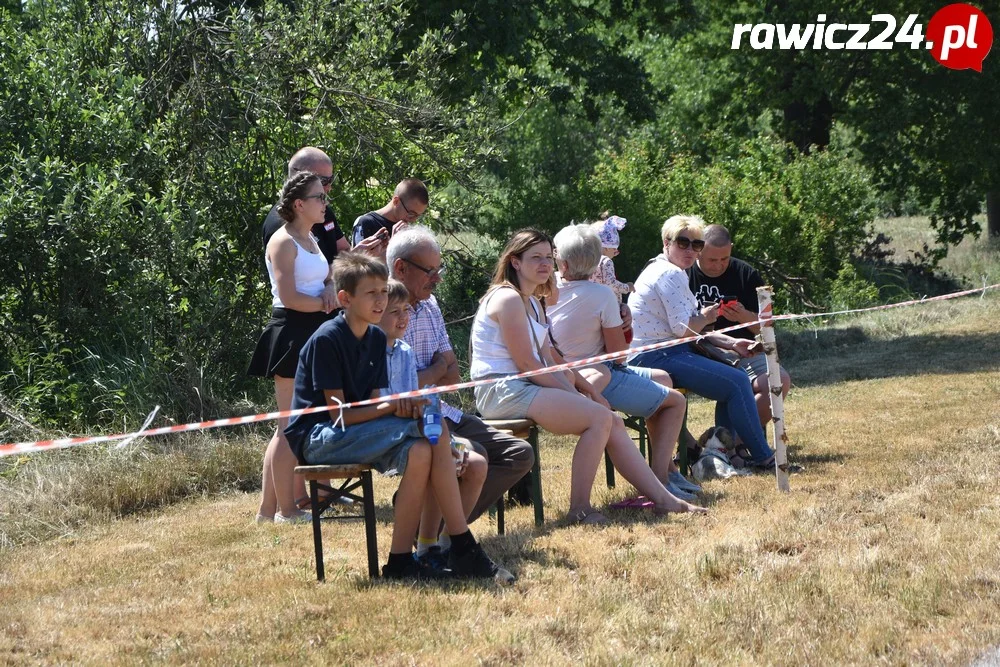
[506, 275]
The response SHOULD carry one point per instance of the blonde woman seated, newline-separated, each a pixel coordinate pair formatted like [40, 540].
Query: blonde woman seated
[509, 336]
[664, 308]
[586, 323]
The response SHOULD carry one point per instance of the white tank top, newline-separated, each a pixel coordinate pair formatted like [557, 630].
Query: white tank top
[490, 355]
[311, 269]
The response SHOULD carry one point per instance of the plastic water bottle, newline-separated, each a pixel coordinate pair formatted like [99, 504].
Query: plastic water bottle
[432, 418]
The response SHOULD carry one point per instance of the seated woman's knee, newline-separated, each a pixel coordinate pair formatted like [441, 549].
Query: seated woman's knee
[601, 418]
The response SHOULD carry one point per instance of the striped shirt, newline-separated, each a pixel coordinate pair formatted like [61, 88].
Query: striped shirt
[426, 335]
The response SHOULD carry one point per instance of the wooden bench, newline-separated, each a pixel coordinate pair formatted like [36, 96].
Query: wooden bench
[353, 476]
[526, 430]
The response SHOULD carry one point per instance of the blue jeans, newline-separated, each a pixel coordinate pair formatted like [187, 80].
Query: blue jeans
[736, 408]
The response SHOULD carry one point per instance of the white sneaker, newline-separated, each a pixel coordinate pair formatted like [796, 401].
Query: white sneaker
[300, 516]
[260, 518]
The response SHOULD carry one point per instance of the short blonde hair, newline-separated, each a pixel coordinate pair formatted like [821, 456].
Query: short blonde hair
[676, 224]
[580, 248]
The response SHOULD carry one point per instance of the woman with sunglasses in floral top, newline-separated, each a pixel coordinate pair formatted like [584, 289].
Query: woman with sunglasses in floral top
[664, 308]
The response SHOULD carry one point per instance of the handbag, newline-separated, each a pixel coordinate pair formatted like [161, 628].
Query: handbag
[714, 352]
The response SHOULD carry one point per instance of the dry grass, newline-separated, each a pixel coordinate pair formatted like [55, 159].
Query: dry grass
[885, 551]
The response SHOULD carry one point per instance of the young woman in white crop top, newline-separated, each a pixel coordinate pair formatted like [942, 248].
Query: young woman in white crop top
[300, 304]
[509, 335]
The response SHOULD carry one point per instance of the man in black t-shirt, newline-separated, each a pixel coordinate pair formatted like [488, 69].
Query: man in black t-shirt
[717, 274]
[409, 202]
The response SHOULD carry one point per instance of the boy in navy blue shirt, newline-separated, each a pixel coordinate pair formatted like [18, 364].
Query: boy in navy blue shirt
[345, 361]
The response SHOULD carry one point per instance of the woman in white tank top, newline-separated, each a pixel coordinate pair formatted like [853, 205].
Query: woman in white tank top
[509, 335]
[298, 272]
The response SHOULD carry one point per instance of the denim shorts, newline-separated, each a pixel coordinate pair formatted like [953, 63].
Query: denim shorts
[384, 443]
[505, 399]
[632, 391]
[755, 366]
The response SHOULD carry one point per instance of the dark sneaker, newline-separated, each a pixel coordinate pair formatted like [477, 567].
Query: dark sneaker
[414, 569]
[520, 493]
[476, 564]
[434, 558]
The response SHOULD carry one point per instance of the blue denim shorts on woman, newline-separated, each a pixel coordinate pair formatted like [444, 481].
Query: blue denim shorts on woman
[632, 391]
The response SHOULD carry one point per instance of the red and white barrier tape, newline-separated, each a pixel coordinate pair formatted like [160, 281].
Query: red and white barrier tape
[62, 443]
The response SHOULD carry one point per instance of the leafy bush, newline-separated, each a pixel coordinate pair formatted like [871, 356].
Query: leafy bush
[140, 146]
[799, 218]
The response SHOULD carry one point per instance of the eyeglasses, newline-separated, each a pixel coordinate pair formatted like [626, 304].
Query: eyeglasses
[410, 213]
[684, 243]
[326, 180]
[431, 273]
[321, 196]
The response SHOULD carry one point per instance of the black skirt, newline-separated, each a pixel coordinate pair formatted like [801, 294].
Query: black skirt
[284, 335]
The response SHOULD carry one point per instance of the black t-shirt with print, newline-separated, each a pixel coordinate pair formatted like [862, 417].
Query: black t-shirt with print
[740, 280]
[368, 224]
[334, 358]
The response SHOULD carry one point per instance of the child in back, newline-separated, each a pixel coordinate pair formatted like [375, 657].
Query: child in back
[470, 466]
[345, 361]
[607, 230]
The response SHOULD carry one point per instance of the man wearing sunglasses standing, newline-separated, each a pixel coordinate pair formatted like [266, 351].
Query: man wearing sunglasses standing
[718, 277]
[408, 203]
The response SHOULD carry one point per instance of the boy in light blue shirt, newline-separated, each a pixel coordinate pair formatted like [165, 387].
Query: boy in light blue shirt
[470, 466]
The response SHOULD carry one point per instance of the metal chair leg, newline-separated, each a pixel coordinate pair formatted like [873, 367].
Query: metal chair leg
[536, 477]
[370, 538]
[317, 529]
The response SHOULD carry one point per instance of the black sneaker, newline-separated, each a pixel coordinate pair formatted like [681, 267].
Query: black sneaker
[434, 558]
[474, 563]
[520, 493]
[411, 568]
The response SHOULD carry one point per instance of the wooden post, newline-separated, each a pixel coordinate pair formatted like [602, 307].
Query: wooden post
[766, 337]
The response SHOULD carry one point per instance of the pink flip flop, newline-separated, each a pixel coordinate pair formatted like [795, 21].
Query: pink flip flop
[642, 502]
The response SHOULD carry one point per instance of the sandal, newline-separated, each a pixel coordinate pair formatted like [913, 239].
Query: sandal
[642, 502]
[304, 503]
[588, 517]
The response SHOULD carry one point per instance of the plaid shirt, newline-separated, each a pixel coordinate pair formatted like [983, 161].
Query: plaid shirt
[426, 335]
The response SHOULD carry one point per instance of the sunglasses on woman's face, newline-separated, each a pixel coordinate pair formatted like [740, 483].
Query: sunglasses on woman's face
[684, 243]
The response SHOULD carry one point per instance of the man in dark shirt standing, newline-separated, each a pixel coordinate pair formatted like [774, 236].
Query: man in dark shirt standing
[409, 202]
[717, 274]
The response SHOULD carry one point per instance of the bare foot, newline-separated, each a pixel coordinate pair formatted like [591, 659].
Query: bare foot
[674, 504]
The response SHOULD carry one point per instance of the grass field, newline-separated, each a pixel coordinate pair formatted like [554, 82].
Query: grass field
[884, 551]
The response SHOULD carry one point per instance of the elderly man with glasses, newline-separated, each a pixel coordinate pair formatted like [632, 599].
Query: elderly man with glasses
[414, 258]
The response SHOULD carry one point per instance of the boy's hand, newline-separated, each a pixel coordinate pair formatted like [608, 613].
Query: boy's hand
[409, 408]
